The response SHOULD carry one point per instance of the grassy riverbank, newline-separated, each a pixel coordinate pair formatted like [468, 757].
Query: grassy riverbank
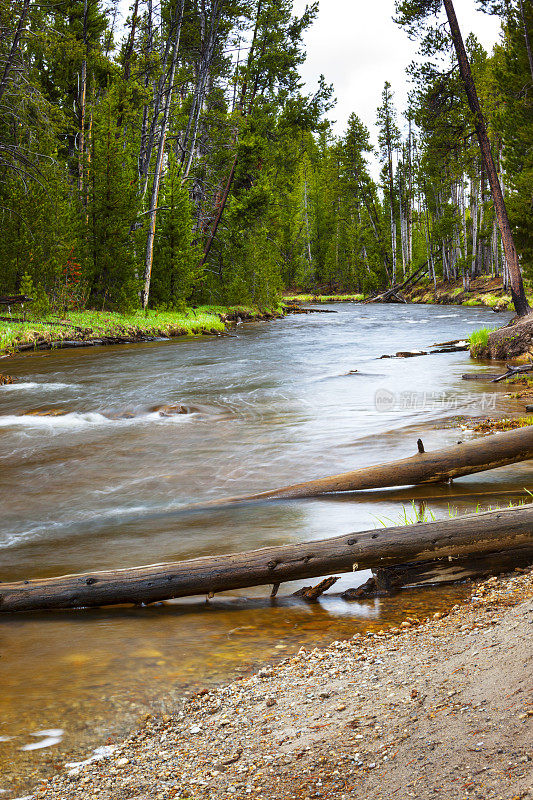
[104, 327]
[323, 298]
[430, 708]
[484, 291]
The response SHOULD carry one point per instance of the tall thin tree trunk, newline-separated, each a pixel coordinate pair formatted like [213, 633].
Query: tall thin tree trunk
[159, 105]
[495, 264]
[526, 37]
[11, 58]
[144, 123]
[231, 176]
[189, 142]
[308, 236]
[83, 105]
[474, 204]
[392, 222]
[517, 286]
[410, 203]
[152, 217]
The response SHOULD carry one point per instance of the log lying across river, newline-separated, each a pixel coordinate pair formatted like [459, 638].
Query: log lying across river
[490, 531]
[478, 455]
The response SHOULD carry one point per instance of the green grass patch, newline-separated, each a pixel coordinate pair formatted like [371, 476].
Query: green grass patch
[522, 380]
[489, 301]
[323, 298]
[420, 512]
[478, 340]
[86, 325]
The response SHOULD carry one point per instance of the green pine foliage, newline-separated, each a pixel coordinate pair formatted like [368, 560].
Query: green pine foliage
[231, 166]
[177, 256]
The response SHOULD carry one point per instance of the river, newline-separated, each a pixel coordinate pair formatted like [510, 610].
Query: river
[106, 483]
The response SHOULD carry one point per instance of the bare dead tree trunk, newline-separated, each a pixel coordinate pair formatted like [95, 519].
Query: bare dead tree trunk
[473, 535]
[152, 216]
[410, 209]
[83, 105]
[517, 286]
[437, 466]
[189, 142]
[308, 235]
[526, 37]
[392, 222]
[231, 176]
[12, 56]
[144, 124]
[159, 103]
[474, 204]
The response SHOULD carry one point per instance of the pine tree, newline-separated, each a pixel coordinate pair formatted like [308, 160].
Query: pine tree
[389, 141]
[415, 14]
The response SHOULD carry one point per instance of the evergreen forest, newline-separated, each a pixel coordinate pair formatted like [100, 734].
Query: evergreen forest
[173, 156]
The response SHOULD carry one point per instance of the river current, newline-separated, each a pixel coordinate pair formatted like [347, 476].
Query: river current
[105, 483]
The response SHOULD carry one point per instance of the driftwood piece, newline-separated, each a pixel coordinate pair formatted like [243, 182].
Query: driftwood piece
[478, 455]
[461, 536]
[511, 371]
[312, 593]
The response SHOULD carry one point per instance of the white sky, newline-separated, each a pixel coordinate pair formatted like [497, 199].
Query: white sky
[357, 47]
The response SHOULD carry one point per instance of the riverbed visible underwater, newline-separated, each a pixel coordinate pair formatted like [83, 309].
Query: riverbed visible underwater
[106, 484]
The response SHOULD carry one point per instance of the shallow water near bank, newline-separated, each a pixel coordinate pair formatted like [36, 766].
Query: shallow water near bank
[106, 483]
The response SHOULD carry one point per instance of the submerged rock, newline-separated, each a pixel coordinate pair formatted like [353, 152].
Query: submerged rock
[44, 412]
[410, 353]
[170, 409]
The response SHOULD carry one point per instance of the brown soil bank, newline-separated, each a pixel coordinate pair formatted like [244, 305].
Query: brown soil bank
[436, 709]
[482, 291]
[514, 341]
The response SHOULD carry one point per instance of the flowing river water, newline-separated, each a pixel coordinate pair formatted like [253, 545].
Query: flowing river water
[105, 485]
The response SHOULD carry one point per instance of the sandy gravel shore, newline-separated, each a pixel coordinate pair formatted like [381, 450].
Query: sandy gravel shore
[436, 709]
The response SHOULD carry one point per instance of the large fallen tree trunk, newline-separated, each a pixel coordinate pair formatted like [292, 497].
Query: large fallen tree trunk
[477, 455]
[475, 533]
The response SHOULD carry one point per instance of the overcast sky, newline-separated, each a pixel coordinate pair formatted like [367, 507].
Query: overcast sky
[357, 47]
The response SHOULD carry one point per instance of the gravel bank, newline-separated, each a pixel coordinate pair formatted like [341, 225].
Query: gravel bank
[441, 708]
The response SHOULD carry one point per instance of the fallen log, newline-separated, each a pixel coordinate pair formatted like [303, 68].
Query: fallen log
[13, 299]
[478, 455]
[455, 348]
[480, 376]
[496, 378]
[384, 297]
[448, 539]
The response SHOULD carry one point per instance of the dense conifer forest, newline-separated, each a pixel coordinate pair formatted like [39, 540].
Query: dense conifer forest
[176, 158]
